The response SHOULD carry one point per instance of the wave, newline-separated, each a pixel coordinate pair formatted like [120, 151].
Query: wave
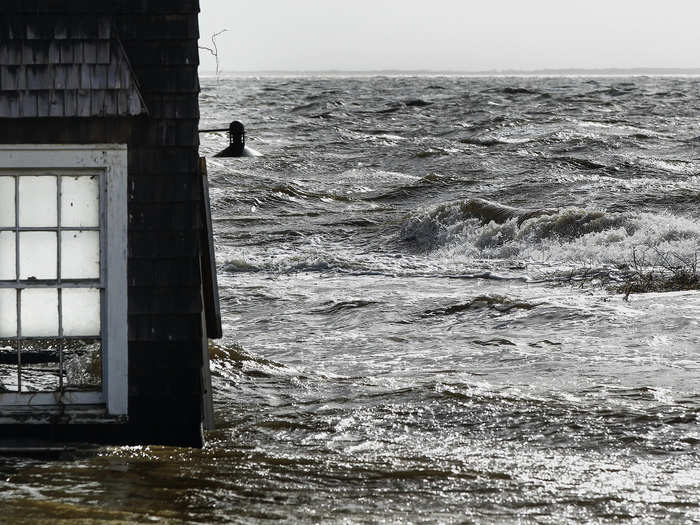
[435, 152]
[477, 239]
[391, 264]
[333, 307]
[294, 263]
[519, 91]
[482, 141]
[478, 229]
[416, 103]
[276, 194]
[498, 303]
[320, 109]
[230, 360]
[582, 164]
[316, 106]
[393, 107]
[428, 228]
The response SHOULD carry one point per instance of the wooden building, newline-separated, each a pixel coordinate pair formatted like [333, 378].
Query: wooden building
[107, 281]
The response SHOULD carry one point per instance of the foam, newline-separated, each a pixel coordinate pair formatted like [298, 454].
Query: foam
[569, 236]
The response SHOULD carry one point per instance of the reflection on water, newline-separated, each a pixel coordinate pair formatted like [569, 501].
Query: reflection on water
[49, 365]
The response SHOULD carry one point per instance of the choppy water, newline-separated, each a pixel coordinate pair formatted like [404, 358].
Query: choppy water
[422, 283]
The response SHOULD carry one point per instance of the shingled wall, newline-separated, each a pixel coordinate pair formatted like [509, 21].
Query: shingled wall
[164, 197]
[165, 305]
[64, 66]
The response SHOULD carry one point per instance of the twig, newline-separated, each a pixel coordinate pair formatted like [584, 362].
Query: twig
[215, 51]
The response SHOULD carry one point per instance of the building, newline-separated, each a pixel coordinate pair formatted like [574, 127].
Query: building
[108, 287]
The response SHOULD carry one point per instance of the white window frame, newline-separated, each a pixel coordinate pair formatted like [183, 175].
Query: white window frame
[111, 161]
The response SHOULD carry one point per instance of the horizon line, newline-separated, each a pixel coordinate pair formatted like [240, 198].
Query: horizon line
[541, 71]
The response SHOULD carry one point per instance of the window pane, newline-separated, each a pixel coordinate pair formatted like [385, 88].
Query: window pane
[39, 313]
[7, 256]
[80, 201]
[37, 201]
[7, 201]
[37, 255]
[83, 365]
[80, 255]
[40, 365]
[8, 313]
[81, 311]
[8, 366]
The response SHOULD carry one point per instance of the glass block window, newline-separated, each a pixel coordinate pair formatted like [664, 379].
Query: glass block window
[63, 275]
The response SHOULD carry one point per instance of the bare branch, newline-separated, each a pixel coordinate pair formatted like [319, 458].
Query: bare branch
[207, 49]
[215, 51]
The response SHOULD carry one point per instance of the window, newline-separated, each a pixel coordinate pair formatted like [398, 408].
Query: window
[63, 306]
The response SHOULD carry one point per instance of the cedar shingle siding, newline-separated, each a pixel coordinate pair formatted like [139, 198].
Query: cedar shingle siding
[126, 71]
[75, 67]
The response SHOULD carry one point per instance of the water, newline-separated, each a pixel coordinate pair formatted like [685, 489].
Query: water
[428, 311]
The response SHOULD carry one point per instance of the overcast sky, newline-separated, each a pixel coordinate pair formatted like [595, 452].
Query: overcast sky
[465, 35]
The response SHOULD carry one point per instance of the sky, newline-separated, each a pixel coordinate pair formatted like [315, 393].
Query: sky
[460, 35]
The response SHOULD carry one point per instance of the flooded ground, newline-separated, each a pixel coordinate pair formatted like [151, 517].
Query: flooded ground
[429, 316]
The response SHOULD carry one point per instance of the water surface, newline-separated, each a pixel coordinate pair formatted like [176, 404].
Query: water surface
[422, 284]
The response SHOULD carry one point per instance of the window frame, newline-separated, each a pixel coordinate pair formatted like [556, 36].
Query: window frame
[111, 161]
